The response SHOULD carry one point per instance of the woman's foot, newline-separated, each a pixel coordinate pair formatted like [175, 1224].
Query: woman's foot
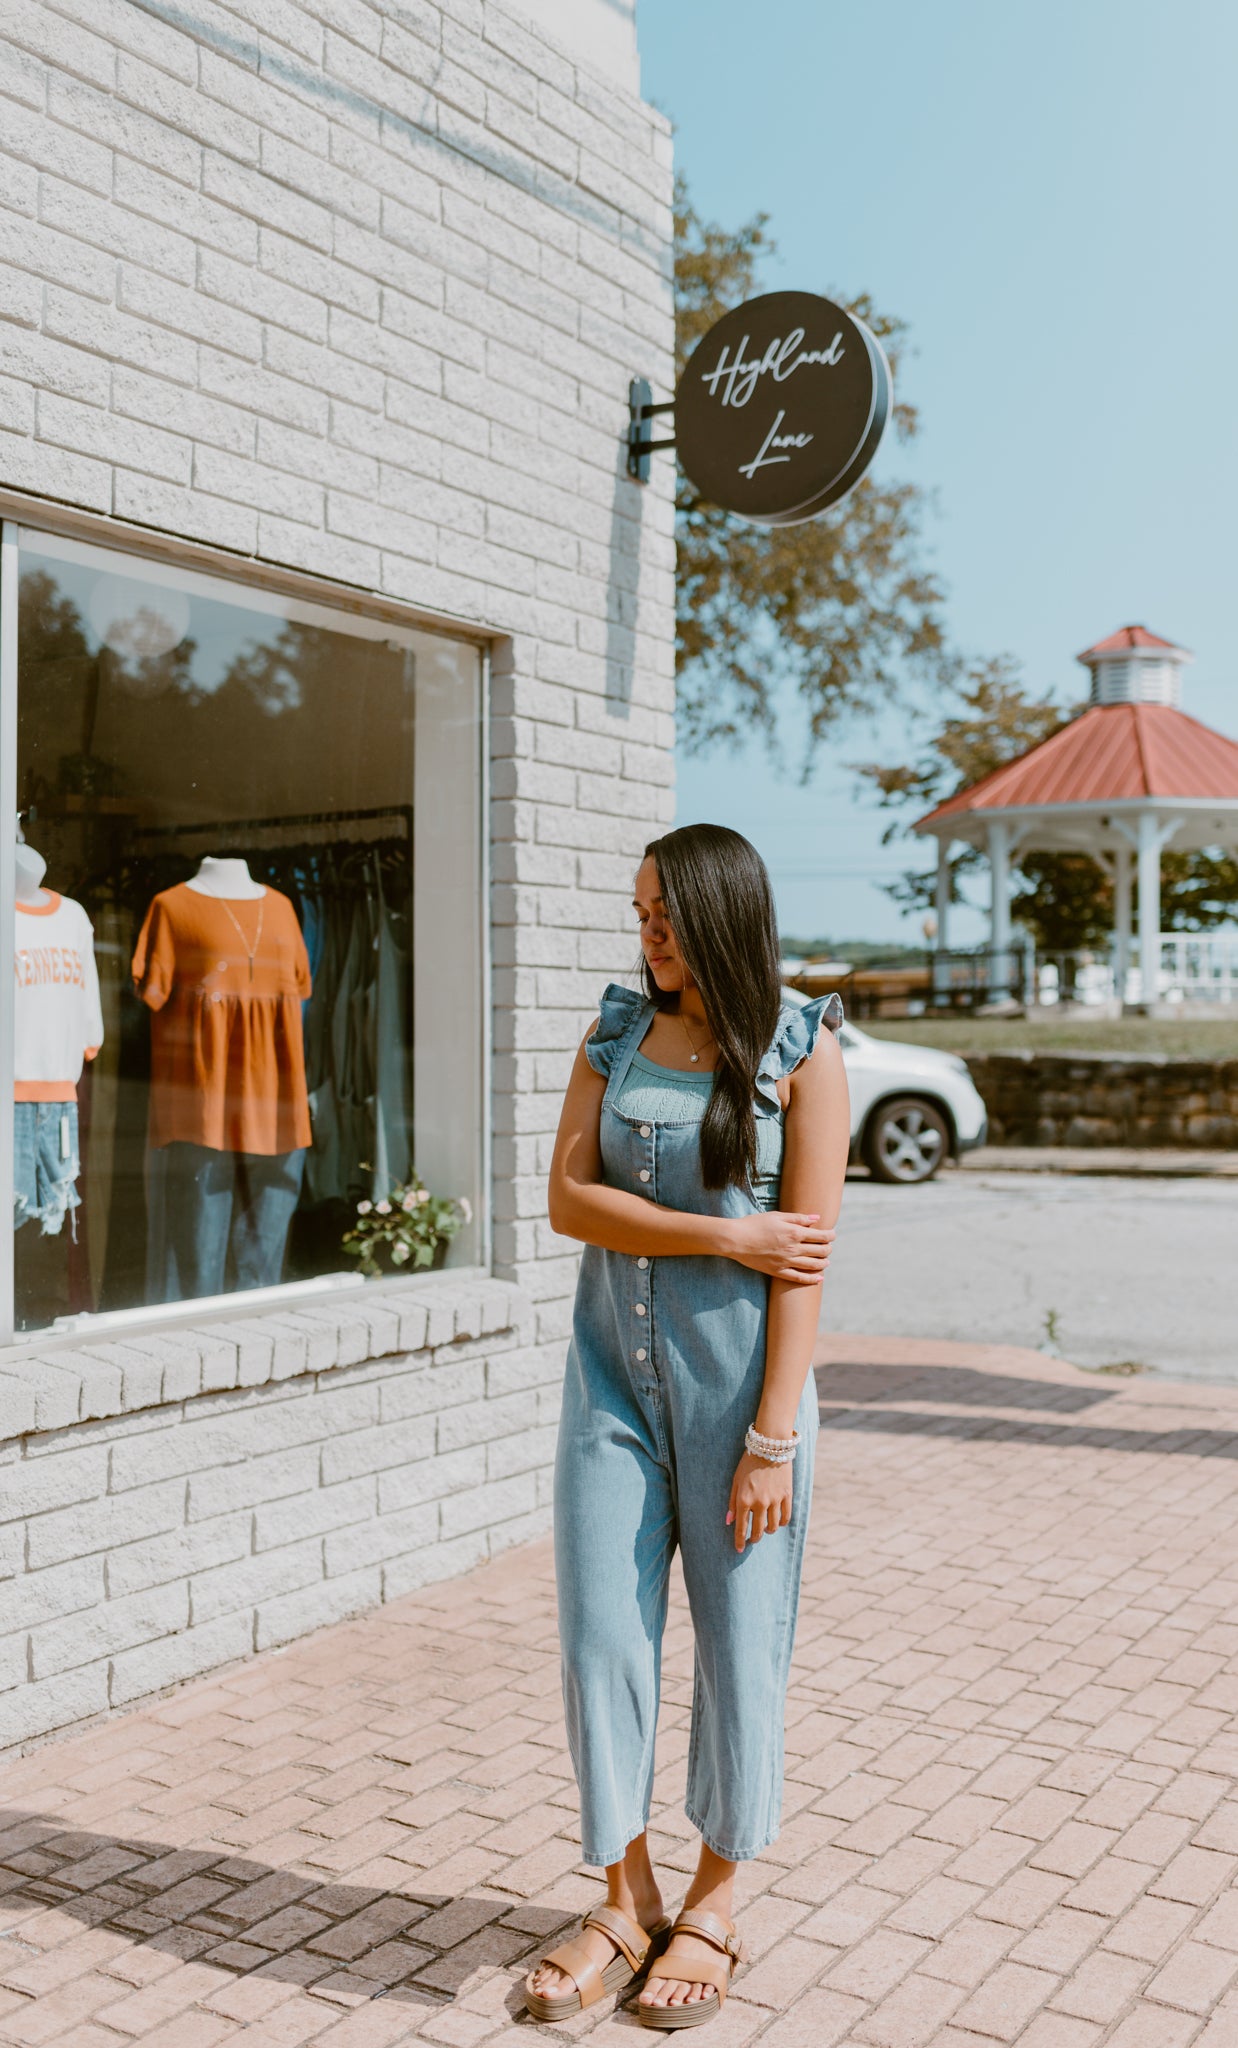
[633, 1888]
[712, 1891]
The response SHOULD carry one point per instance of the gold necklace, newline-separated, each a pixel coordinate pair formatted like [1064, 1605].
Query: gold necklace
[262, 904]
[693, 1055]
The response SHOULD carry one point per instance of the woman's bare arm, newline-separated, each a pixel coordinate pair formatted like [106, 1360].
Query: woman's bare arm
[582, 1206]
[818, 1141]
[814, 1168]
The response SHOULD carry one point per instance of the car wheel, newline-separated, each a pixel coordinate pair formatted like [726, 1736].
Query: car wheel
[906, 1140]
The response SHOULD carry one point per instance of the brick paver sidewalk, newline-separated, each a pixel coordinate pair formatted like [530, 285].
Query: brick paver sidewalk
[1011, 1811]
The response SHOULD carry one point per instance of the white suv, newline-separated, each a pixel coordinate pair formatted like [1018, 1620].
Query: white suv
[911, 1106]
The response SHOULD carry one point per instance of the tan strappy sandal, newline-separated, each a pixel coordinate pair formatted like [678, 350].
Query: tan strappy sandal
[720, 1934]
[636, 1949]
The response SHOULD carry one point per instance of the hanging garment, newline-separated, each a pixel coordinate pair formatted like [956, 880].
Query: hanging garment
[114, 934]
[355, 907]
[225, 980]
[392, 1152]
[352, 1048]
[323, 1169]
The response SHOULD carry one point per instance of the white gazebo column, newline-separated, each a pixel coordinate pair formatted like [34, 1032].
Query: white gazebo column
[999, 909]
[1121, 919]
[1150, 839]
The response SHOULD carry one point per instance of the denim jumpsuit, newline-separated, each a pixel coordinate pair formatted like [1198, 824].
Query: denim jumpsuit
[664, 1375]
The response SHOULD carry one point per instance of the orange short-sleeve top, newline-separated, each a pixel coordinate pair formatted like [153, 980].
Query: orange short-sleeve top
[225, 979]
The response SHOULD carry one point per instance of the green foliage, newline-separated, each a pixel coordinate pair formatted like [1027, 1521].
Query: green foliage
[990, 720]
[404, 1229]
[1199, 891]
[1063, 898]
[840, 608]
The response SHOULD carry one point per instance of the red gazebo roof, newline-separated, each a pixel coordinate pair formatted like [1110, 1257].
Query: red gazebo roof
[1126, 638]
[1110, 753]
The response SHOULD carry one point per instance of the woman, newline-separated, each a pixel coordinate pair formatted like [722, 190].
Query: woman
[700, 1157]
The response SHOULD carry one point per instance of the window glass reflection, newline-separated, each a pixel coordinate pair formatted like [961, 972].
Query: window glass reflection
[214, 930]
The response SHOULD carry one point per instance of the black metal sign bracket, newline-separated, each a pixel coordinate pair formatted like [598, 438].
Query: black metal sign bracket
[641, 408]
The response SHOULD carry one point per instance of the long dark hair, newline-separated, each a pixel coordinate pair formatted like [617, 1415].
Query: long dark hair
[720, 906]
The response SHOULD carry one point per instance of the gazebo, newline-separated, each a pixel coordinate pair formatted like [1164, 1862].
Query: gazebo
[1132, 774]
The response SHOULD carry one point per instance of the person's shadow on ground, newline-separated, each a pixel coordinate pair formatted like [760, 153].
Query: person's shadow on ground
[346, 1942]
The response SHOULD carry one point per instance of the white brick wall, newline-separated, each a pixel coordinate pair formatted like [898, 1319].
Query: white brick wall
[603, 31]
[166, 1534]
[357, 290]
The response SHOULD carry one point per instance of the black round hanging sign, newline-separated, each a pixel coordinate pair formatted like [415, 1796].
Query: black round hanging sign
[780, 408]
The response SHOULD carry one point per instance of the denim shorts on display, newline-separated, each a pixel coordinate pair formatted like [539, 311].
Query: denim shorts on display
[45, 1163]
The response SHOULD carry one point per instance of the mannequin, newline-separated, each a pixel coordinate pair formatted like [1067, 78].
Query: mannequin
[225, 875]
[31, 868]
[221, 964]
[58, 1025]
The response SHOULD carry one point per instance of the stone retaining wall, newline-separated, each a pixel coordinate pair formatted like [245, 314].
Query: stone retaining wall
[1107, 1099]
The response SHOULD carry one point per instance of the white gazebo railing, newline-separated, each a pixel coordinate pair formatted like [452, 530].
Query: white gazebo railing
[1194, 967]
[1199, 967]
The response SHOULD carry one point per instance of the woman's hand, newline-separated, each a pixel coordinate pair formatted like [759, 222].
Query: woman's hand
[761, 1493]
[786, 1246]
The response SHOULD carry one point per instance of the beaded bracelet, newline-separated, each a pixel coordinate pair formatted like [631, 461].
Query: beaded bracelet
[775, 1450]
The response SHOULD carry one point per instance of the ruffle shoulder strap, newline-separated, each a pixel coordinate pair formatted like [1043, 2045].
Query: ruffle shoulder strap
[799, 1028]
[616, 1012]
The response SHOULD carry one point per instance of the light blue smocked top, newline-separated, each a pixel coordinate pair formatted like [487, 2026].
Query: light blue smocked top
[655, 1094]
[652, 1094]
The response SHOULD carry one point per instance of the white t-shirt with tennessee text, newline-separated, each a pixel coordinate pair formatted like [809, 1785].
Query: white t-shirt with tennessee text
[59, 1022]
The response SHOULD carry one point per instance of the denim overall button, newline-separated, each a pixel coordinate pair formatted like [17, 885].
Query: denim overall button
[642, 1353]
[642, 1263]
[640, 1308]
[646, 1131]
[644, 1173]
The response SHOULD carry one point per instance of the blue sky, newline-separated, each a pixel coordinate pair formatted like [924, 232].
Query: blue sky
[1048, 194]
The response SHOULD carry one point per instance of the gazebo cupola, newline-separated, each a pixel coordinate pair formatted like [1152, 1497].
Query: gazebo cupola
[1133, 666]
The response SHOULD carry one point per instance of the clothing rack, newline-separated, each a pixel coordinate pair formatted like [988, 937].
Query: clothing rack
[221, 826]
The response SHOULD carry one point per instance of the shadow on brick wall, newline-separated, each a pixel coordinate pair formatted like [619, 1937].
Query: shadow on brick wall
[622, 590]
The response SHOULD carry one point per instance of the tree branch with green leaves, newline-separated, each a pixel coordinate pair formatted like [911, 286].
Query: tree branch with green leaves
[839, 610]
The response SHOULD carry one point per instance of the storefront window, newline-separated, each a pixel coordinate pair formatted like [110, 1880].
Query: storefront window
[242, 822]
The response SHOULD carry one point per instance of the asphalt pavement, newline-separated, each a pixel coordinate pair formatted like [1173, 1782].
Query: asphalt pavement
[1106, 1271]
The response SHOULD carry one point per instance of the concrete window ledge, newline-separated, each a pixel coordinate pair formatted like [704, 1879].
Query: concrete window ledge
[59, 1380]
[174, 1501]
